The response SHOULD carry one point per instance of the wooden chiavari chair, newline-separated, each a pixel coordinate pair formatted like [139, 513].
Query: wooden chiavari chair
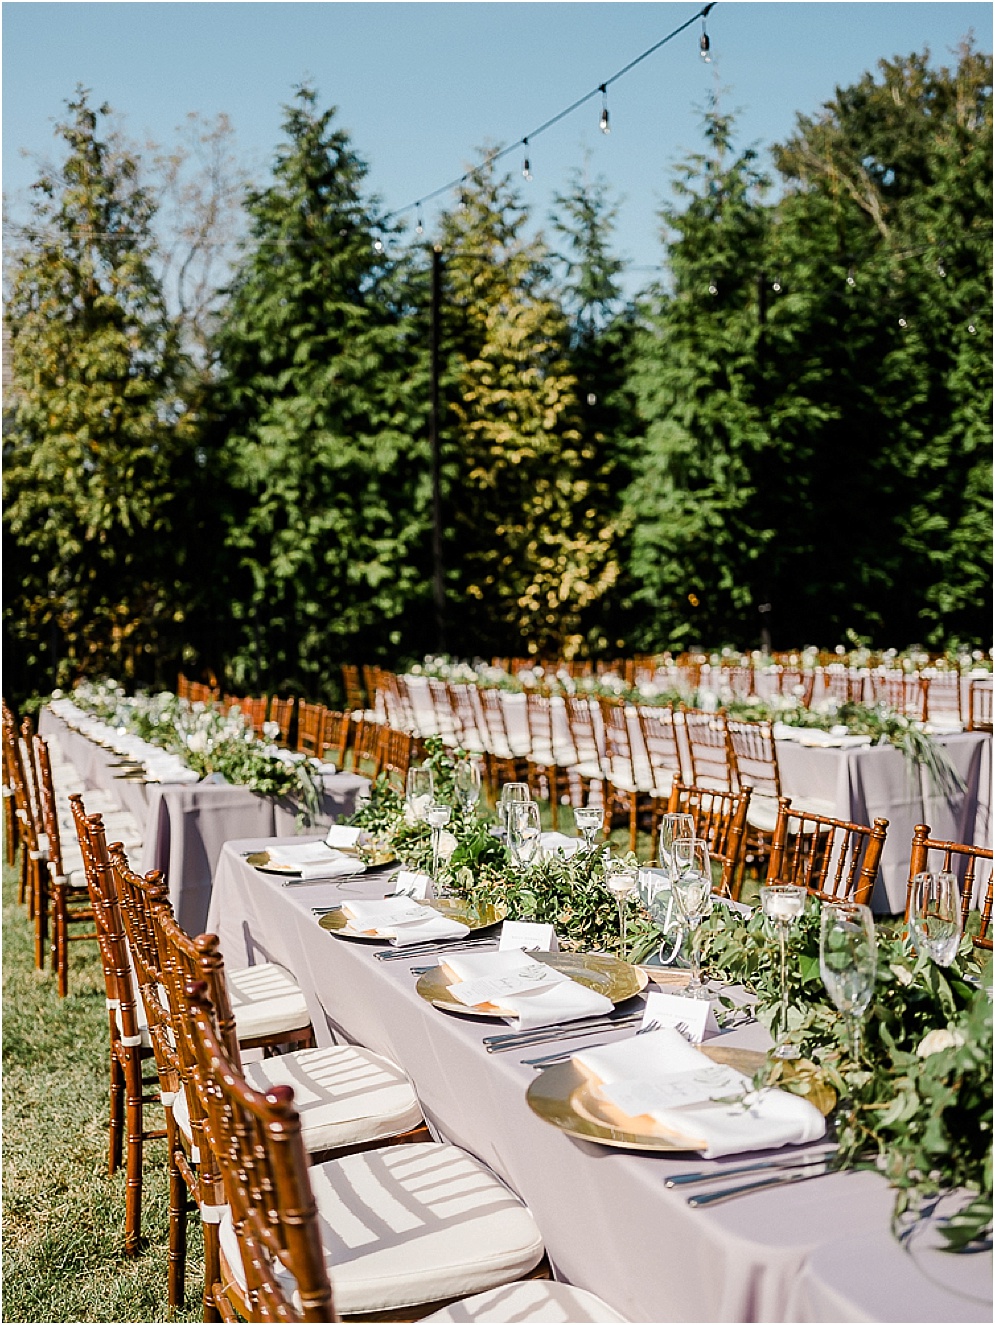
[963, 859]
[312, 721]
[753, 756]
[442, 713]
[69, 896]
[507, 760]
[904, 694]
[338, 728]
[355, 696]
[397, 751]
[720, 822]
[632, 781]
[253, 711]
[10, 834]
[352, 1098]
[708, 747]
[796, 682]
[662, 745]
[979, 717]
[367, 748]
[588, 772]
[543, 761]
[287, 1224]
[465, 716]
[281, 711]
[130, 1042]
[33, 878]
[835, 860]
[943, 700]
[843, 684]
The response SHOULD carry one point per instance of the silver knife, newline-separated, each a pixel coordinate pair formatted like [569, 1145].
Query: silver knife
[415, 950]
[523, 1041]
[578, 1023]
[784, 1178]
[817, 1155]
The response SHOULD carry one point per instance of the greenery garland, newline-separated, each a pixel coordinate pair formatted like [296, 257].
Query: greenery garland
[208, 741]
[918, 1103]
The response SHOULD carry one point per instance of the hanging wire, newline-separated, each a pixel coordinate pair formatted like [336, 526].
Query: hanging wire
[601, 88]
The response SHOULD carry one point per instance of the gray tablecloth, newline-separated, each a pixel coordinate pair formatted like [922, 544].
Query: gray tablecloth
[867, 783]
[609, 1223]
[185, 827]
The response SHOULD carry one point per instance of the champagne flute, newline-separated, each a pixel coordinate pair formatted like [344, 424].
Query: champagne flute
[419, 790]
[691, 884]
[673, 826]
[783, 903]
[848, 962]
[620, 880]
[588, 818]
[438, 816]
[466, 779]
[524, 831]
[935, 915]
[512, 793]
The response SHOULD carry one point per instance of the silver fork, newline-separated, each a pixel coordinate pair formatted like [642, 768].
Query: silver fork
[537, 1064]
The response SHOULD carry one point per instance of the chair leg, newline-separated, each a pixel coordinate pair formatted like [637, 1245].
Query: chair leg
[177, 1220]
[40, 890]
[60, 938]
[117, 1115]
[212, 1271]
[133, 1161]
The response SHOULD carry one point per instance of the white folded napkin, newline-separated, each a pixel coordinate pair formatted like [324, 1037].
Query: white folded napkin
[514, 985]
[402, 920]
[314, 860]
[558, 844]
[682, 1090]
[342, 836]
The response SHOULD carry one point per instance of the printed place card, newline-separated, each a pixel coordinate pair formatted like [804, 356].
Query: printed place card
[342, 836]
[492, 988]
[713, 1081]
[528, 937]
[411, 883]
[693, 1017]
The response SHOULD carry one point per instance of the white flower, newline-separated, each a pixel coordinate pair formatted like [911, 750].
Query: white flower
[447, 844]
[197, 742]
[904, 977]
[936, 1041]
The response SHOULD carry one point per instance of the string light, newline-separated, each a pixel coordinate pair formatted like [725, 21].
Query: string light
[526, 164]
[972, 330]
[903, 322]
[603, 123]
[776, 287]
[378, 247]
[419, 227]
[712, 288]
[704, 45]
[851, 277]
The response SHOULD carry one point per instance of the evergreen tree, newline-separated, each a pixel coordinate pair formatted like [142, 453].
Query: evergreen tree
[321, 414]
[694, 540]
[96, 441]
[529, 547]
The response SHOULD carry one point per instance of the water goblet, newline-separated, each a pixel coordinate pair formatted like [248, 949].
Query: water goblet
[673, 826]
[419, 790]
[783, 903]
[848, 962]
[512, 793]
[466, 780]
[524, 832]
[620, 880]
[588, 818]
[438, 815]
[935, 915]
[691, 884]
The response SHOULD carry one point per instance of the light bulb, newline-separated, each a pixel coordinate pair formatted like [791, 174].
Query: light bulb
[902, 323]
[776, 287]
[972, 330]
[941, 271]
[704, 45]
[526, 164]
[603, 123]
[419, 228]
[378, 245]
[851, 278]
[712, 288]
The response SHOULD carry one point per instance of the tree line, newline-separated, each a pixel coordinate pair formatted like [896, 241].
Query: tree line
[785, 441]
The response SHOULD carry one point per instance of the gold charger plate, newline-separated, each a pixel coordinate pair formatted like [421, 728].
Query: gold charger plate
[563, 1095]
[599, 971]
[474, 915]
[259, 860]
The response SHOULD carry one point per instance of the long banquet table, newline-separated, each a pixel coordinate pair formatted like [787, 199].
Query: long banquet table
[609, 1223]
[185, 826]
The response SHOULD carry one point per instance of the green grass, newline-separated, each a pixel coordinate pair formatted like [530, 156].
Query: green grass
[63, 1215]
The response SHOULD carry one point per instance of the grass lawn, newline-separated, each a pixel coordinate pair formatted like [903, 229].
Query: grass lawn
[63, 1216]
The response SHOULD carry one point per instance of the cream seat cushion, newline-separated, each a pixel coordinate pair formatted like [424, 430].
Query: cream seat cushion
[762, 813]
[346, 1095]
[538, 1300]
[411, 1224]
[266, 999]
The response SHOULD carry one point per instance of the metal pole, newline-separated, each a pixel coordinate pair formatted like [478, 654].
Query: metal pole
[438, 586]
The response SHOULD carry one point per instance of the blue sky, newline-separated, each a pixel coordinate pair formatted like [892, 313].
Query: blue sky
[420, 86]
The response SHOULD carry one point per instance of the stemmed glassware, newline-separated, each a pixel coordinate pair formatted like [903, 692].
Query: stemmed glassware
[691, 884]
[848, 962]
[672, 827]
[620, 880]
[512, 793]
[419, 790]
[466, 780]
[438, 816]
[783, 903]
[524, 831]
[588, 818]
[935, 915]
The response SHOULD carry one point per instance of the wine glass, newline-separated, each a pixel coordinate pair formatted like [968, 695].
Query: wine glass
[620, 880]
[848, 961]
[588, 818]
[524, 831]
[512, 793]
[438, 815]
[783, 903]
[935, 916]
[419, 790]
[466, 779]
[691, 884]
[673, 826]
